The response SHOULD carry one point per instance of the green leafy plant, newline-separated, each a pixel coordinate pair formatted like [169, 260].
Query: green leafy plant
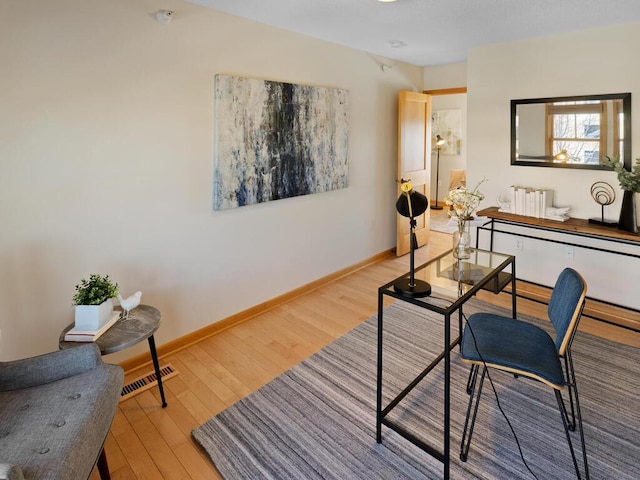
[95, 290]
[629, 180]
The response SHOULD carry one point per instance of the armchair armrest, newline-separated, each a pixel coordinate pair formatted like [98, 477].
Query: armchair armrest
[9, 471]
[49, 367]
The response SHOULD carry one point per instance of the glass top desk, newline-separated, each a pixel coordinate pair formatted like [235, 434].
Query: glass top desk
[453, 282]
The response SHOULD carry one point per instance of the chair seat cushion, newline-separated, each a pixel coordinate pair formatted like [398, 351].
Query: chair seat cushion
[517, 346]
[55, 431]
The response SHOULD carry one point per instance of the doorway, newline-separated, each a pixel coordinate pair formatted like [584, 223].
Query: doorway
[448, 166]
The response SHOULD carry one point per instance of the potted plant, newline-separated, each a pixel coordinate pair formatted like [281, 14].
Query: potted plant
[630, 183]
[94, 301]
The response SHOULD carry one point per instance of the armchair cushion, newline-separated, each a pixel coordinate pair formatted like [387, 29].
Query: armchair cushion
[55, 412]
[50, 367]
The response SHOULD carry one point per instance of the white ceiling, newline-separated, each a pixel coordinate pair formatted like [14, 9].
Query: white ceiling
[431, 32]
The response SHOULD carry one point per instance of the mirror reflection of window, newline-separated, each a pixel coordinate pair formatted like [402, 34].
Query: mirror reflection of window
[575, 128]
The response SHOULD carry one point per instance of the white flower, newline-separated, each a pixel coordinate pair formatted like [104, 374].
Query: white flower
[463, 202]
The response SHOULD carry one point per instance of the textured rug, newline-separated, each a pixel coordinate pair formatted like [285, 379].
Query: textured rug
[440, 221]
[317, 420]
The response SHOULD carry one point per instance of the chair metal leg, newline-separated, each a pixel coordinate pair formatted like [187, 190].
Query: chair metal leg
[473, 373]
[566, 424]
[571, 382]
[465, 443]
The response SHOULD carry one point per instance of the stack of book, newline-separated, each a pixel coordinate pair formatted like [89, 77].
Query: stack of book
[80, 335]
[530, 202]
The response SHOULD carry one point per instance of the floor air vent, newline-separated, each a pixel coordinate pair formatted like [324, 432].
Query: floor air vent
[146, 382]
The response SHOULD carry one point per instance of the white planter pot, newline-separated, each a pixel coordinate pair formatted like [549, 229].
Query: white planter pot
[92, 317]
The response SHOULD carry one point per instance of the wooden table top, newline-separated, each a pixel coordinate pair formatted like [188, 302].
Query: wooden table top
[578, 226]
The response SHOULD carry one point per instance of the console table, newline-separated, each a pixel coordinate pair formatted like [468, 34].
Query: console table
[575, 227]
[453, 283]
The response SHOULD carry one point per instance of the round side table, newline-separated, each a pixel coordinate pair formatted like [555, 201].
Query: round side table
[142, 323]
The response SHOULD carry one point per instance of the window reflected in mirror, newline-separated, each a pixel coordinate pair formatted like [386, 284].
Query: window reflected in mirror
[571, 132]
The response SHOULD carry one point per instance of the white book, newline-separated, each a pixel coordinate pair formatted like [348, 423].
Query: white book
[546, 202]
[538, 204]
[78, 335]
[520, 192]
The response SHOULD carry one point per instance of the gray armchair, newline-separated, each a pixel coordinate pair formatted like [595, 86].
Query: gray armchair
[55, 413]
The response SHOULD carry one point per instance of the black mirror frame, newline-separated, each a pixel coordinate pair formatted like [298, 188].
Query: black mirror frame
[626, 108]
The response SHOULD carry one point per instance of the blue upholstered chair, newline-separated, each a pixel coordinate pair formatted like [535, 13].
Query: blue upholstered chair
[507, 344]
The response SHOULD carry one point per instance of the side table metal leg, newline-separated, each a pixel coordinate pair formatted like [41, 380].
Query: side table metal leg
[156, 366]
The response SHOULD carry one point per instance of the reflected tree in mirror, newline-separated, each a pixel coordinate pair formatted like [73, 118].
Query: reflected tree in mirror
[571, 132]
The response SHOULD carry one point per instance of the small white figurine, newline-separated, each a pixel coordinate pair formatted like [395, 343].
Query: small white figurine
[130, 302]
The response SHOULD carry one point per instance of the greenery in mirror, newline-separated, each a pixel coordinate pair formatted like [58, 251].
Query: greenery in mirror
[95, 291]
[629, 180]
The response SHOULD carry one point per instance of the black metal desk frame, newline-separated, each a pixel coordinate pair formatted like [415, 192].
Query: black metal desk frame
[490, 226]
[495, 280]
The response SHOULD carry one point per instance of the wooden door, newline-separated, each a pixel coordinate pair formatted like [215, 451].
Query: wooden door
[414, 161]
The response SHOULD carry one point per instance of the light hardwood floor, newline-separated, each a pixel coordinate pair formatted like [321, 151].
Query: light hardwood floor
[149, 442]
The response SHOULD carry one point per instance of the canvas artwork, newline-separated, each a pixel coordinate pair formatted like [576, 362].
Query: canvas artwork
[448, 124]
[277, 140]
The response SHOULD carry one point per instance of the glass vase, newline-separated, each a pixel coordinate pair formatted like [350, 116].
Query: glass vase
[462, 240]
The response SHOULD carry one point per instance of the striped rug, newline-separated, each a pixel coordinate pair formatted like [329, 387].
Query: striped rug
[317, 420]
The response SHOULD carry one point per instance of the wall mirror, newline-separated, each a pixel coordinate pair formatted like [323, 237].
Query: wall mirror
[571, 132]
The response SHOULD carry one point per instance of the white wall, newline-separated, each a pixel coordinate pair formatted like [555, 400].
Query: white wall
[451, 75]
[106, 141]
[590, 62]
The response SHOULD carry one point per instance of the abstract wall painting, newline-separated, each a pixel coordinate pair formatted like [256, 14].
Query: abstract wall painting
[448, 124]
[277, 140]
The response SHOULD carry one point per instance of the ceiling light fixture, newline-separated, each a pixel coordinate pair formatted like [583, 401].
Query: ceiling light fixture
[164, 16]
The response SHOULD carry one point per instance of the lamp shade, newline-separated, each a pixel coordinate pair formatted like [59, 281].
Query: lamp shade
[411, 203]
[563, 156]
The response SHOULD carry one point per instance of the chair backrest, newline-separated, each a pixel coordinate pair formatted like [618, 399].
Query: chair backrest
[565, 307]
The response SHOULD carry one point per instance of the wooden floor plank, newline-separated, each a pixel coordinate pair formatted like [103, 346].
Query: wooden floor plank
[197, 463]
[137, 456]
[162, 455]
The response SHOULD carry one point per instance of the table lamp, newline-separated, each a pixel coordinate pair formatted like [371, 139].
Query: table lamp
[562, 156]
[411, 204]
[439, 142]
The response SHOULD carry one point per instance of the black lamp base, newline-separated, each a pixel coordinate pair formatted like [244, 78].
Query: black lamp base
[418, 290]
[436, 206]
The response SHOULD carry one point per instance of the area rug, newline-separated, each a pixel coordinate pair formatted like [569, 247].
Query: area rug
[317, 420]
[440, 221]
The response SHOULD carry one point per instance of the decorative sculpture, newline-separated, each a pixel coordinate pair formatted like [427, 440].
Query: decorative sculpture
[604, 195]
[130, 302]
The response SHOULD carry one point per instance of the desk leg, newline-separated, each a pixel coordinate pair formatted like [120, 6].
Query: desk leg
[379, 375]
[156, 366]
[447, 392]
[514, 294]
